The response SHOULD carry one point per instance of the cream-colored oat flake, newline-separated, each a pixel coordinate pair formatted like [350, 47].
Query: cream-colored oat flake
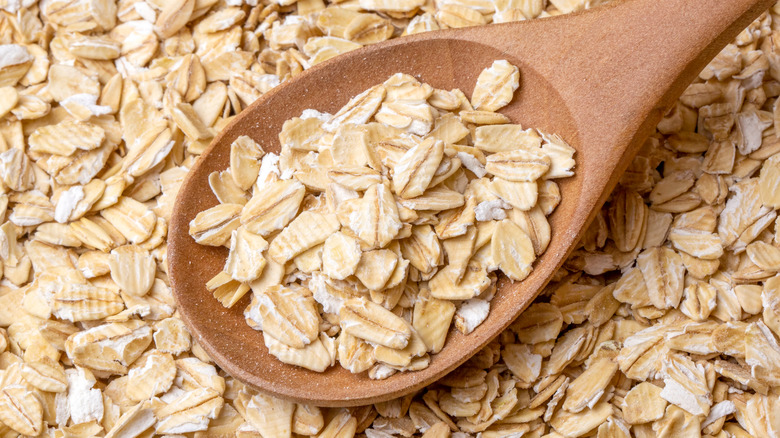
[373, 208]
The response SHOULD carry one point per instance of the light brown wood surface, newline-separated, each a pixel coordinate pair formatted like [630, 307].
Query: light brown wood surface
[602, 79]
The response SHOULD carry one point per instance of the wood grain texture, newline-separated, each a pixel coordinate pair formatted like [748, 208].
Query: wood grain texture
[602, 79]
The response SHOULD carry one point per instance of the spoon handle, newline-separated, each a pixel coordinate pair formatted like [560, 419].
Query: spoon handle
[620, 67]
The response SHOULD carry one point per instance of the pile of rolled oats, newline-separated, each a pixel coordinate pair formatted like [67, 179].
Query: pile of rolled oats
[664, 322]
[362, 208]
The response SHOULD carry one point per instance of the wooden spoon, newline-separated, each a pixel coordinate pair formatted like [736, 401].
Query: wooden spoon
[602, 79]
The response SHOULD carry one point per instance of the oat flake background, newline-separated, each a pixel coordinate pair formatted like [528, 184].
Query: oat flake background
[664, 322]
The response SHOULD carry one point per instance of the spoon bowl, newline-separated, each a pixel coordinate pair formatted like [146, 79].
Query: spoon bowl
[601, 79]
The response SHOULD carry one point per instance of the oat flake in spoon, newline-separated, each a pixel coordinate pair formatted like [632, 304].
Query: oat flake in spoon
[378, 228]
